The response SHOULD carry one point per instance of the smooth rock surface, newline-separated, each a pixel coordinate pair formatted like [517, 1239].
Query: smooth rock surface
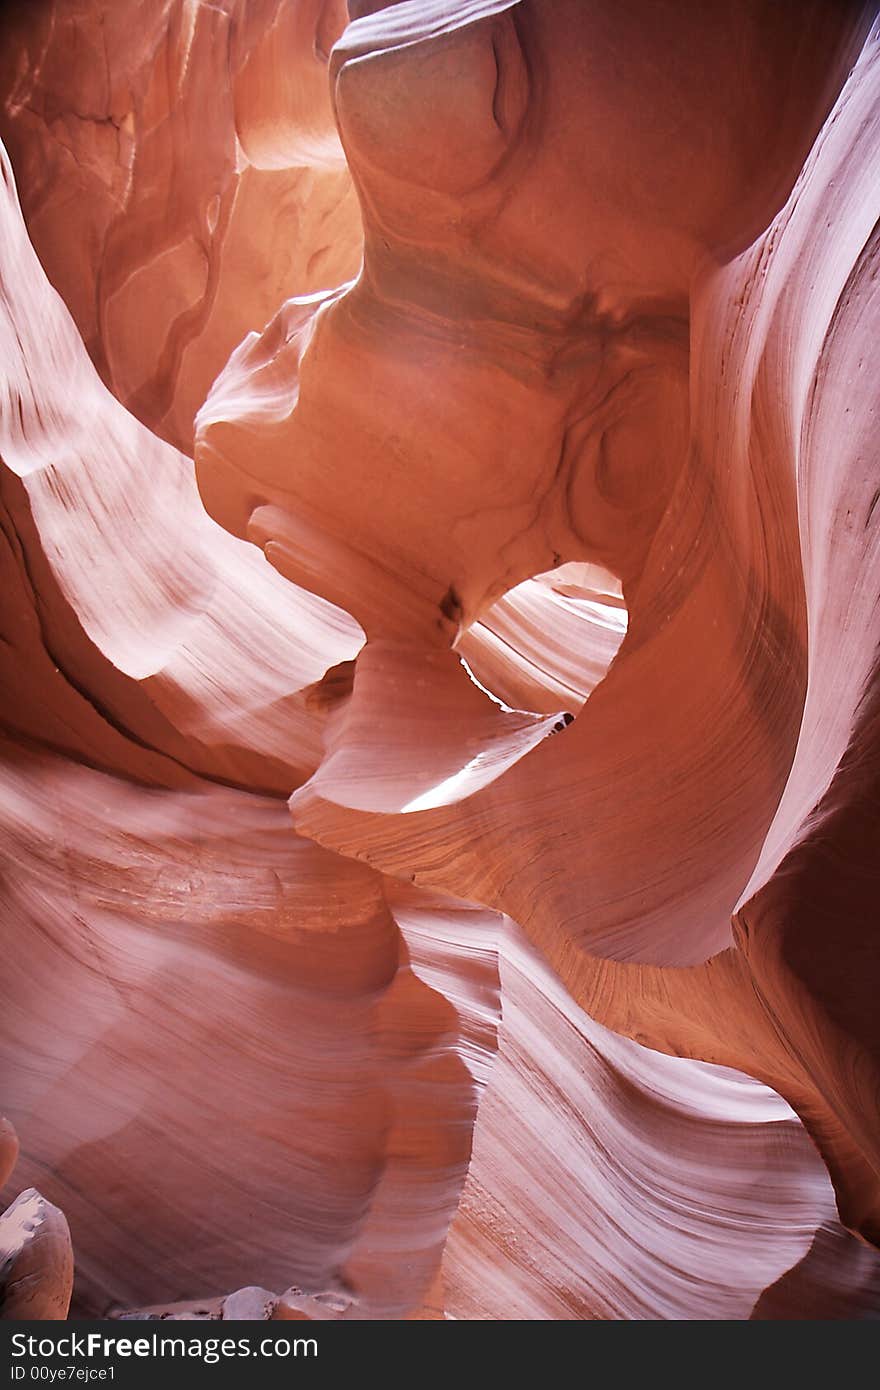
[466, 907]
[36, 1260]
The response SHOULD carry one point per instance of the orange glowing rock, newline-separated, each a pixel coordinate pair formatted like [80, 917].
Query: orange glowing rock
[470, 911]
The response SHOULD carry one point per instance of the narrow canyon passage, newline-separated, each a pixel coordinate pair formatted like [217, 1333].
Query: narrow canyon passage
[439, 749]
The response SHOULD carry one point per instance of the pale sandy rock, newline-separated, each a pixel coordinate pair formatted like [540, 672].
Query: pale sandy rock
[248, 1305]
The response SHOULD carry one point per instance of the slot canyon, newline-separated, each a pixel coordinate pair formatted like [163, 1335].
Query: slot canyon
[440, 659]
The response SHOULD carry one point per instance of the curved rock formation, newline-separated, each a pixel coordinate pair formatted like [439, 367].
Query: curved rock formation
[579, 419]
[552, 992]
[181, 175]
[36, 1256]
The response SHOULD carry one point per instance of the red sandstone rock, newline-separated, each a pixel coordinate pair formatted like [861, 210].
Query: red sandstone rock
[181, 175]
[36, 1260]
[590, 433]
[8, 1150]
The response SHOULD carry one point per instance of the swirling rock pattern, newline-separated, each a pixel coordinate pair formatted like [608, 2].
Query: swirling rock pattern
[552, 991]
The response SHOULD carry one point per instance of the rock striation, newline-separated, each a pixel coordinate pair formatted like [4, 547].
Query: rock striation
[439, 732]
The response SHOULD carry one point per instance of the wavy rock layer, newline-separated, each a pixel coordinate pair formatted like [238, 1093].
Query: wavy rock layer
[181, 174]
[561, 450]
